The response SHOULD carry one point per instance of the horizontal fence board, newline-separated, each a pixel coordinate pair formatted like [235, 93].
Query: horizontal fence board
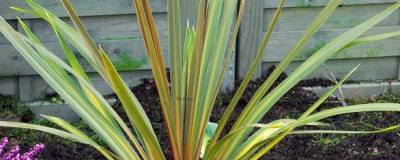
[117, 27]
[296, 19]
[12, 63]
[3, 40]
[8, 85]
[119, 35]
[38, 88]
[125, 54]
[317, 3]
[281, 43]
[83, 7]
[382, 68]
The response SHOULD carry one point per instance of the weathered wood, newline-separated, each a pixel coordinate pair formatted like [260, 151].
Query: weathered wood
[8, 85]
[398, 74]
[62, 111]
[131, 79]
[228, 84]
[113, 25]
[125, 54]
[382, 68]
[118, 35]
[9, 57]
[250, 38]
[282, 41]
[317, 3]
[28, 88]
[26, 84]
[33, 87]
[83, 7]
[12, 23]
[361, 90]
[189, 14]
[117, 27]
[297, 19]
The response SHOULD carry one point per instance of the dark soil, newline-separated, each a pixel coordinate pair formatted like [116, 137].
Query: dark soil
[295, 102]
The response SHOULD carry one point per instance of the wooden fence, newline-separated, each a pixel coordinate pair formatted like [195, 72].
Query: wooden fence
[113, 24]
[379, 61]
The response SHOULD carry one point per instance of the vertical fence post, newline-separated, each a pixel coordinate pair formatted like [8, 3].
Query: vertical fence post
[228, 84]
[26, 88]
[250, 36]
[8, 84]
[398, 58]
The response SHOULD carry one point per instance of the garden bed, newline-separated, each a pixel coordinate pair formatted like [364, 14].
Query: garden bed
[380, 146]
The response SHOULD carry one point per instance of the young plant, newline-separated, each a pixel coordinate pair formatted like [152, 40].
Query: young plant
[199, 57]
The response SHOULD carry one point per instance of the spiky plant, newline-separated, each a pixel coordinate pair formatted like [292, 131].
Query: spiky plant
[199, 56]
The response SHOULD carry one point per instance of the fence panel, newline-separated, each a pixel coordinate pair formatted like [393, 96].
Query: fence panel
[379, 61]
[112, 24]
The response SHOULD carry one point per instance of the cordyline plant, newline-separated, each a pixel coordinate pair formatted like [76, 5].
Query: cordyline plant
[199, 56]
